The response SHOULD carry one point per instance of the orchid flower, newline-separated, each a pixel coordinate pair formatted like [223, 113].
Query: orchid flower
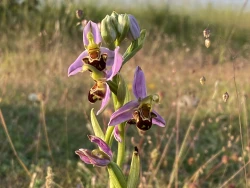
[94, 55]
[96, 60]
[138, 111]
[98, 157]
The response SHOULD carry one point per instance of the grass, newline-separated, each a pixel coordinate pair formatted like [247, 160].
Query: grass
[211, 143]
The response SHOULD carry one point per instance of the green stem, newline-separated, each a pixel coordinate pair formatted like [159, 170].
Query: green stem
[121, 145]
[116, 176]
[108, 135]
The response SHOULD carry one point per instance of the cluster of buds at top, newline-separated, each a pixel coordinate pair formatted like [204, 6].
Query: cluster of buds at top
[202, 80]
[206, 34]
[116, 27]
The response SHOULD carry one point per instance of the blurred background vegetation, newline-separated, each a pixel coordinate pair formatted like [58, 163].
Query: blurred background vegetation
[40, 39]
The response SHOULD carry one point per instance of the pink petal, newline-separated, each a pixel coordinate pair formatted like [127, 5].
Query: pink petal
[105, 101]
[117, 64]
[158, 120]
[139, 84]
[124, 113]
[82, 156]
[103, 146]
[77, 65]
[94, 29]
[117, 134]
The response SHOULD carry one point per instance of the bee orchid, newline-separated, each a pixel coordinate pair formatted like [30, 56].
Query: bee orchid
[98, 157]
[139, 111]
[102, 63]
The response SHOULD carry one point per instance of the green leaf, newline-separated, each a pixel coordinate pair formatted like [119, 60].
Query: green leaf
[96, 127]
[134, 173]
[116, 176]
[134, 47]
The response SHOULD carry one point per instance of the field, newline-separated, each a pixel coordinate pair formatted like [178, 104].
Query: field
[45, 115]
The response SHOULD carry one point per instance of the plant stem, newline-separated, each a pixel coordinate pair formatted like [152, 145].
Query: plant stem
[108, 135]
[121, 145]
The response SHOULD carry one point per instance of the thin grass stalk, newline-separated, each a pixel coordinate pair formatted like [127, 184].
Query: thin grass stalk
[183, 145]
[196, 174]
[45, 128]
[178, 113]
[235, 174]
[245, 110]
[12, 145]
[240, 124]
[163, 136]
[33, 180]
[38, 141]
[162, 158]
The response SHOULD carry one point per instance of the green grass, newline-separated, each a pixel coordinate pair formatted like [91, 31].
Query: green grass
[36, 48]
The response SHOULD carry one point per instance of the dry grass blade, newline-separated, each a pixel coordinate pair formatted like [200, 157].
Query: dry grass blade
[12, 145]
[235, 174]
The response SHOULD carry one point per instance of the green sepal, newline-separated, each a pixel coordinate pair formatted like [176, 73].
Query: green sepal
[96, 127]
[116, 176]
[134, 47]
[134, 173]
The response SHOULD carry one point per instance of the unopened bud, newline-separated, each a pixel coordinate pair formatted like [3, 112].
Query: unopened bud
[79, 14]
[108, 31]
[225, 97]
[114, 17]
[123, 26]
[206, 33]
[134, 28]
[202, 80]
[134, 173]
[207, 43]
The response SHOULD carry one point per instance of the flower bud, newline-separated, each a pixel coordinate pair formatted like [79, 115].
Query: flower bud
[123, 26]
[202, 80]
[134, 174]
[207, 43]
[134, 28]
[206, 33]
[79, 14]
[114, 17]
[108, 31]
[225, 97]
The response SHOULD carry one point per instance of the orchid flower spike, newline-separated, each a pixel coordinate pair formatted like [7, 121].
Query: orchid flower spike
[98, 157]
[102, 63]
[139, 111]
